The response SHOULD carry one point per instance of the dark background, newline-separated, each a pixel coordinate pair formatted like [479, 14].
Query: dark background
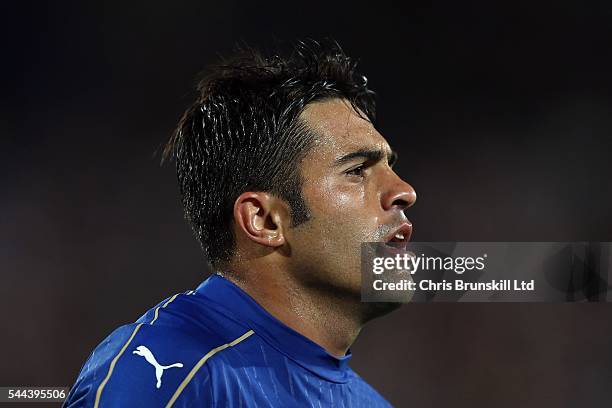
[500, 112]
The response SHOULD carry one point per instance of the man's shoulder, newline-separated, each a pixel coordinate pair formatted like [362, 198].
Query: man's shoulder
[189, 312]
[151, 361]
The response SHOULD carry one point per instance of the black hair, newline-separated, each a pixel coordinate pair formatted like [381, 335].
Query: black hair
[243, 133]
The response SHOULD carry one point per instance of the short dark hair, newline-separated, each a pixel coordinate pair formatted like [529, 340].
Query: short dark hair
[243, 133]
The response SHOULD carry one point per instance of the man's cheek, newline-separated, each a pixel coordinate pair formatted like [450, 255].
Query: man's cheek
[346, 202]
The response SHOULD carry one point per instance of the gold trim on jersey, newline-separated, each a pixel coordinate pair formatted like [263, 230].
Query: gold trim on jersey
[200, 363]
[125, 346]
[165, 304]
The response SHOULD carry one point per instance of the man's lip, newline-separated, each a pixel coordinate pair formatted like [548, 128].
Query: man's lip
[405, 229]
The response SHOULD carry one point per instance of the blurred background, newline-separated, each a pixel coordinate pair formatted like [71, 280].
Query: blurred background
[500, 112]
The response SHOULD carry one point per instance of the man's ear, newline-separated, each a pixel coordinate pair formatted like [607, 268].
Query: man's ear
[261, 217]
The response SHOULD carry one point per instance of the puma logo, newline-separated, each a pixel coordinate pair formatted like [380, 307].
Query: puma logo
[159, 369]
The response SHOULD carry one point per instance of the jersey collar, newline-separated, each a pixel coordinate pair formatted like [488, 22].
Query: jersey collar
[226, 295]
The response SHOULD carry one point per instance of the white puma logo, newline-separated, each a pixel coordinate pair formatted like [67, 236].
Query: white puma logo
[159, 369]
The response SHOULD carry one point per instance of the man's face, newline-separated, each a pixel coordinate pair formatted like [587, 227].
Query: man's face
[353, 195]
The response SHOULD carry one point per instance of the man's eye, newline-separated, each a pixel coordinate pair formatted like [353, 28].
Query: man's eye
[357, 171]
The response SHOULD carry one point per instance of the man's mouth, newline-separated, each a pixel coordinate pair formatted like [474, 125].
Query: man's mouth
[399, 237]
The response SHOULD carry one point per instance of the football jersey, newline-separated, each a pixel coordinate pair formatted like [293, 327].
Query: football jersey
[216, 347]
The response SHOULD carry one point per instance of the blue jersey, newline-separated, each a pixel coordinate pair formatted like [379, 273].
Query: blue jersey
[215, 347]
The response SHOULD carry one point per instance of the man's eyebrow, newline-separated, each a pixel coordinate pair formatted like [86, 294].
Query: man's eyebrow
[373, 155]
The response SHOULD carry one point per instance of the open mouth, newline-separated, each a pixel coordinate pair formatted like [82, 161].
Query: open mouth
[398, 238]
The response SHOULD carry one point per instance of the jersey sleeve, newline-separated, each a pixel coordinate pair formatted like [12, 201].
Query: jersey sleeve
[143, 365]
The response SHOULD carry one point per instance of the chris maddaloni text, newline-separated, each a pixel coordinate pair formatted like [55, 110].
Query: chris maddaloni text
[425, 284]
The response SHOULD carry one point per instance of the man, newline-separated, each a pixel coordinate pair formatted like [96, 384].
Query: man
[282, 176]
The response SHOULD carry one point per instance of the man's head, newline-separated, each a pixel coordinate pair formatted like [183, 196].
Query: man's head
[279, 158]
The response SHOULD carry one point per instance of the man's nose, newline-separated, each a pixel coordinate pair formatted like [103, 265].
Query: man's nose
[399, 194]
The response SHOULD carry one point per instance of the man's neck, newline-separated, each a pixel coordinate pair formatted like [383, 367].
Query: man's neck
[330, 322]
